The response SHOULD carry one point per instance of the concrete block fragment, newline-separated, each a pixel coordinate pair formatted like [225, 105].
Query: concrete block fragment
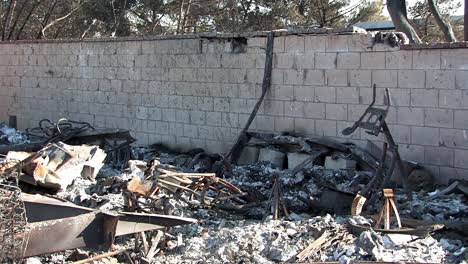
[276, 158]
[426, 59]
[440, 79]
[336, 163]
[295, 159]
[249, 155]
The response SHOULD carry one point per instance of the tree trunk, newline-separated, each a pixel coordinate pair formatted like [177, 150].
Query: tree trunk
[443, 25]
[9, 15]
[15, 22]
[36, 4]
[397, 11]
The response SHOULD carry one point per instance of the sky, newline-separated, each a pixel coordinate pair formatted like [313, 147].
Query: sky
[409, 3]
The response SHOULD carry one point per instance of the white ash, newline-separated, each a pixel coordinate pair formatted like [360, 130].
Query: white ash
[9, 135]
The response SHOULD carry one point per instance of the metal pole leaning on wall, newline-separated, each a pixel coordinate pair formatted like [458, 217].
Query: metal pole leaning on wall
[465, 29]
[234, 153]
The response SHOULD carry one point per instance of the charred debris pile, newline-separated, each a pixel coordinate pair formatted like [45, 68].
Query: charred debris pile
[274, 198]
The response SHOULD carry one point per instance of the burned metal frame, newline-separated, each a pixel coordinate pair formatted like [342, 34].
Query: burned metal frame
[373, 122]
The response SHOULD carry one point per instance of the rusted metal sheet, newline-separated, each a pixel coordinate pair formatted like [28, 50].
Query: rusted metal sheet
[55, 225]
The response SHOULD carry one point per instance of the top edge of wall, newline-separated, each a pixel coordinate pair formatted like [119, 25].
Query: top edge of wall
[211, 35]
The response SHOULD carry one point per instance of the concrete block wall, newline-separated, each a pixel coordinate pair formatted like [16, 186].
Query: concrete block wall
[199, 92]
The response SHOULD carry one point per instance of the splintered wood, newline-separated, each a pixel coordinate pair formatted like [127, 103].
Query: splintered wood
[195, 184]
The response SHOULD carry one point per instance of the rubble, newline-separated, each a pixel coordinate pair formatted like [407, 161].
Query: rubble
[10, 136]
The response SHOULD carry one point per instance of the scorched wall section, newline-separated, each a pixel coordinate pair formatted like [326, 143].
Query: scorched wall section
[199, 92]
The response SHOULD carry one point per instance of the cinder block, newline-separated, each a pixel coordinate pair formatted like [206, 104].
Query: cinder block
[264, 123]
[284, 60]
[221, 104]
[198, 117]
[294, 77]
[304, 93]
[397, 60]
[314, 43]
[461, 119]
[294, 44]
[454, 59]
[249, 155]
[294, 159]
[461, 80]
[326, 60]
[360, 42]
[305, 61]
[274, 108]
[336, 112]
[348, 60]
[314, 77]
[314, 110]
[336, 77]
[439, 156]
[325, 94]
[461, 158]
[453, 99]
[190, 131]
[401, 133]
[304, 126]
[275, 157]
[385, 78]
[347, 95]
[434, 117]
[424, 97]
[453, 138]
[440, 79]
[412, 153]
[294, 109]
[399, 97]
[337, 43]
[284, 124]
[332, 163]
[426, 136]
[426, 59]
[411, 79]
[278, 44]
[360, 78]
[373, 60]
